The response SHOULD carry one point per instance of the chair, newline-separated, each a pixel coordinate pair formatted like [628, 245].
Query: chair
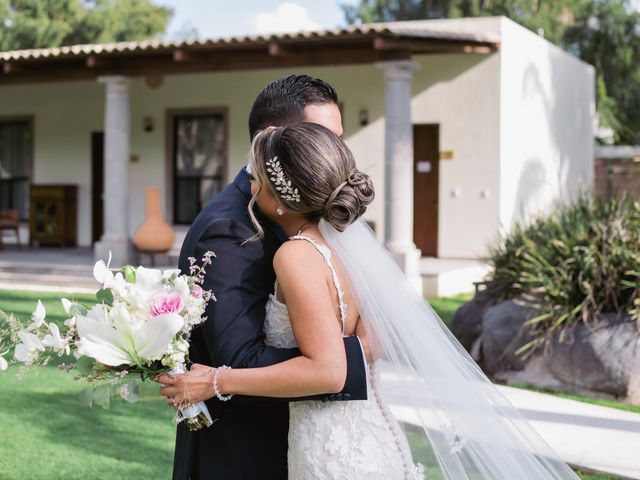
[10, 220]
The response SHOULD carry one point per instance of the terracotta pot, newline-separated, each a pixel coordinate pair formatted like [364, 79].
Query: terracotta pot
[154, 234]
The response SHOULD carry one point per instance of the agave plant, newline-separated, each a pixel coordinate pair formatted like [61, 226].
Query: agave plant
[572, 265]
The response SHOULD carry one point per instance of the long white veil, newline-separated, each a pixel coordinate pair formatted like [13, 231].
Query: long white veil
[472, 429]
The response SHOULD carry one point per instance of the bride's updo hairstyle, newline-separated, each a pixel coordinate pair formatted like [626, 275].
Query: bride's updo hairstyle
[311, 172]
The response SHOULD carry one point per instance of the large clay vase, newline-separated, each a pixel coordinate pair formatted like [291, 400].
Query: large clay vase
[154, 235]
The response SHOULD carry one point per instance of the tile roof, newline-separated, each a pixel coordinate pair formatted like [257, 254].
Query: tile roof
[419, 30]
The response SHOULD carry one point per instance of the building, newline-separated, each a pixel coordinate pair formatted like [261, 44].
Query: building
[466, 125]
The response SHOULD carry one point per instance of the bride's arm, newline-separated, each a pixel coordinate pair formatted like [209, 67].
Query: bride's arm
[306, 285]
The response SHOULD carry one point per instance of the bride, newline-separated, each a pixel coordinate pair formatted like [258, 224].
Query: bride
[334, 279]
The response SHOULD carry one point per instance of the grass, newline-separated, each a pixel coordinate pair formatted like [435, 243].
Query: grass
[47, 435]
[445, 307]
[21, 303]
[581, 398]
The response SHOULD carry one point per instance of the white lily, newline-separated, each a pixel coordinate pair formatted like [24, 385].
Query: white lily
[54, 340]
[37, 317]
[3, 364]
[124, 343]
[27, 351]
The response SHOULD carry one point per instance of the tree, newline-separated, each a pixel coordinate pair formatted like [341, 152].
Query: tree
[52, 23]
[604, 33]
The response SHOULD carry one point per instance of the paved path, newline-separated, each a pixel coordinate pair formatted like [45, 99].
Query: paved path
[584, 435]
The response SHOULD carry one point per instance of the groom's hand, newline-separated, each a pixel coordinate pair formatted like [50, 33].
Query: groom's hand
[191, 387]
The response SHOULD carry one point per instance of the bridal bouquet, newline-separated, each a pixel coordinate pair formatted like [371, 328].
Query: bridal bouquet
[139, 329]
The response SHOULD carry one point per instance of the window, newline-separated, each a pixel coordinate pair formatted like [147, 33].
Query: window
[198, 161]
[15, 165]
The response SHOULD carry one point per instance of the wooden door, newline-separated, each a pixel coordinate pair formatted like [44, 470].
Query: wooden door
[426, 158]
[97, 185]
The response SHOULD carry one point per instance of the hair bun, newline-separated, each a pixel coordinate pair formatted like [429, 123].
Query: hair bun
[349, 200]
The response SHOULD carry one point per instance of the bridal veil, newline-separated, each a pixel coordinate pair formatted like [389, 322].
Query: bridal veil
[471, 428]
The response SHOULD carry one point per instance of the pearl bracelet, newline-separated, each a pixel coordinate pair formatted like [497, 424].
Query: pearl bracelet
[216, 391]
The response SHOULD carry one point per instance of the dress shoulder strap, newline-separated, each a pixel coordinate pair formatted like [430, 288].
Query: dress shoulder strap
[326, 253]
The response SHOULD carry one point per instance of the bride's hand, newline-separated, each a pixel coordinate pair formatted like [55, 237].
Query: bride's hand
[192, 387]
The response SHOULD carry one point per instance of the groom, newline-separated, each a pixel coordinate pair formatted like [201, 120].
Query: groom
[249, 438]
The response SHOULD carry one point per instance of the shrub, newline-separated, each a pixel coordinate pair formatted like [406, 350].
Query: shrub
[571, 265]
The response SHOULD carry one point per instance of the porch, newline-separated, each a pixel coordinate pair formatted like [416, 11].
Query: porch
[121, 84]
[69, 270]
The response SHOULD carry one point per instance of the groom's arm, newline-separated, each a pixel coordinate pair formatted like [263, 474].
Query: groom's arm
[233, 333]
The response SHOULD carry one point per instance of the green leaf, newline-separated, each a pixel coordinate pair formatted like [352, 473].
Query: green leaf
[104, 295]
[102, 396]
[129, 274]
[77, 309]
[84, 365]
[132, 390]
[86, 397]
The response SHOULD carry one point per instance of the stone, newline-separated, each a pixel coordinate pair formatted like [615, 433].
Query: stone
[603, 358]
[467, 320]
[502, 336]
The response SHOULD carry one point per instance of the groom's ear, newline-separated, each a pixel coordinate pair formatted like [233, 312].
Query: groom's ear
[326, 114]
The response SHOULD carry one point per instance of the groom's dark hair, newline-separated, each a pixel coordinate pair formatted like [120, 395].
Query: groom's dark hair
[283, 101]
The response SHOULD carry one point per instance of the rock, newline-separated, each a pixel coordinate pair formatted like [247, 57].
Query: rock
[535, 374]
[604, 358]
[502, 336]
[467, 321]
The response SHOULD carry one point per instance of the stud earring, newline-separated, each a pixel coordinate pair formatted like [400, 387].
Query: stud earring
[279, 211]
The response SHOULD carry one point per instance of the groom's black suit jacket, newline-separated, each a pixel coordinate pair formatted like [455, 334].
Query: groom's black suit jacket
[249, 438]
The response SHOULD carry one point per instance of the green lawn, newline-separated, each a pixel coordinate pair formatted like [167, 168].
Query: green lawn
[47, 435]
[445, 307]
[581, 398]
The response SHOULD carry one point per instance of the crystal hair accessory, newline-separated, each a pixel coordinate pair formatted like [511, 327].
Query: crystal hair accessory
[281, 182]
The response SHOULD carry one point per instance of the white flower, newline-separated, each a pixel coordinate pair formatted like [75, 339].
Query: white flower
[3, 364]
[66, 304]
[102, 273]
[181, 287]
[118, 284]
[54, 340]
[182, 346]
[167, 274]
[124, 342]
[27, 351]
[37, 317]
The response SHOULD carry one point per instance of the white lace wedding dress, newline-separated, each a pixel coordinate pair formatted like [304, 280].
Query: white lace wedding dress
[342, 439]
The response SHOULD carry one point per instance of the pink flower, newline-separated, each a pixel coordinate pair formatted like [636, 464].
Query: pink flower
[197, 291]
[166, 303]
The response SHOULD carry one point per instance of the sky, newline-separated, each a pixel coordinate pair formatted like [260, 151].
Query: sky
[217, 18]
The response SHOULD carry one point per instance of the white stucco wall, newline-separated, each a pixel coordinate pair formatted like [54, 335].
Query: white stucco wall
[517, 121]
[547, 111]
[461, 94]
[66, 113]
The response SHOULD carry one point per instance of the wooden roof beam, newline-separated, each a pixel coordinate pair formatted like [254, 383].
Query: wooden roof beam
[276, 49]
[181, 55]
[94, 61]
[417, 46]
[12, 67]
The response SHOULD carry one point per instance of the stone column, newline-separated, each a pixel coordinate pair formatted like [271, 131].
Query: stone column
[398, 153]
[115, 238]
